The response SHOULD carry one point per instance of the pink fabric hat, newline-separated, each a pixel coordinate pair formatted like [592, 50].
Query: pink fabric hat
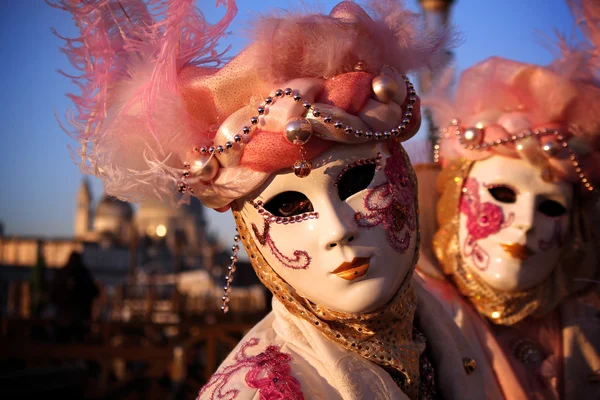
[161, 112]
[549, 115]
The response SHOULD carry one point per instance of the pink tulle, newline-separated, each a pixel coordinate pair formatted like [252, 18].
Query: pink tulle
[518, 98]
[390, 37]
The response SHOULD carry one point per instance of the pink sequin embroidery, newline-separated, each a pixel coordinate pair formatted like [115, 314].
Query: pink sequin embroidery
[301, 259]
[483, 220]
[392, 204]
[269, 372]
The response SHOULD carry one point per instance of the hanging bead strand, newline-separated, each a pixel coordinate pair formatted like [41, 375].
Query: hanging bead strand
[230, 270]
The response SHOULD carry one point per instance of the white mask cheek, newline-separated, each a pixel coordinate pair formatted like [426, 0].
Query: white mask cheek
[393, 251]
[287, 247]
[482, 227]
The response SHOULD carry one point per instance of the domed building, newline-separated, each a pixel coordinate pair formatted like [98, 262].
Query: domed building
[177, 225]
[113, 220]
[134, 250]
[157, 238]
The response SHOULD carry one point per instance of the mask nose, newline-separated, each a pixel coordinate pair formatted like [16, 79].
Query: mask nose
[525, 216]
[340, 228]
[343, 239]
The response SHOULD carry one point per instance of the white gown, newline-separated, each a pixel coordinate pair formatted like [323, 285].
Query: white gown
[304, 363]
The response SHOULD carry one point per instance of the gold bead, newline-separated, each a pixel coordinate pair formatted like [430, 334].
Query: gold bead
[298, 130]
[204, 168]
[302, 168]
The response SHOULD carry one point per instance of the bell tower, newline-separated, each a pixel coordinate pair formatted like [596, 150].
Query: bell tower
[83, 212]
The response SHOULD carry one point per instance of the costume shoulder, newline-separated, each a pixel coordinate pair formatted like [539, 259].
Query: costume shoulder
[581, 349]
[258, 368]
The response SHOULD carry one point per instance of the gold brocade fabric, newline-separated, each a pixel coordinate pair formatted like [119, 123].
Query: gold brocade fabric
[384, 336]
[575, 268]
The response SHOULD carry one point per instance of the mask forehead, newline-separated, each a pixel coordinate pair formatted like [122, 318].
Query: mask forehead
[521, 175]
[326, 169]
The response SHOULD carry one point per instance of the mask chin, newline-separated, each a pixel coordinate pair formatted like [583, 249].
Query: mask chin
[307, 229]
[513, 224]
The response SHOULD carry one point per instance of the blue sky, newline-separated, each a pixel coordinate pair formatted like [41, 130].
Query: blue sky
[38, 179]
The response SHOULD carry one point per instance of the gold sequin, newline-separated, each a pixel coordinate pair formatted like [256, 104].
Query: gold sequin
[469, 365]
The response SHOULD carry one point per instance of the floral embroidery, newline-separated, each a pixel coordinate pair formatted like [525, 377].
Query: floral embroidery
[269, 372]
[301, 258]
[483, 220]
[392, 204]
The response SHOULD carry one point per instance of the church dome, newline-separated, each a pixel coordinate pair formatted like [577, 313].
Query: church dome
[109, 207]
[164, 220]
[113, 216]
[154, 209]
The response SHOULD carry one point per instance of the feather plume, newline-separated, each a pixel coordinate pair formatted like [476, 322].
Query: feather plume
[128, 117]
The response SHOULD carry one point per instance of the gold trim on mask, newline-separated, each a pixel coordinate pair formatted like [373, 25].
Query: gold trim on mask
[576, 266]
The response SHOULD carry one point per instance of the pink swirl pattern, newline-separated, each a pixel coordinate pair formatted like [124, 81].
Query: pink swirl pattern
[483, 220]
[269, 372]
[301, 259]
[392, 204]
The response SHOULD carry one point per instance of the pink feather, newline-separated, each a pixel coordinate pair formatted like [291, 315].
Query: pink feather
[128, 117]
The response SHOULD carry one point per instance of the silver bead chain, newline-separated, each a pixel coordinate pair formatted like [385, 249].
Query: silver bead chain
[184, 187]
[526, 134]
[280, 93]
[230, 270]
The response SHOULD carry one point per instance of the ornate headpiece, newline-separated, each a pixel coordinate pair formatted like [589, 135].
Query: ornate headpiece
[548, 116]
[161, 112]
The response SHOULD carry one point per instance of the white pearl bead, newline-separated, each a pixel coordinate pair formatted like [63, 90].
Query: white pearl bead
[472, 135]
[385, 88]
[204, 168]
[551, 148]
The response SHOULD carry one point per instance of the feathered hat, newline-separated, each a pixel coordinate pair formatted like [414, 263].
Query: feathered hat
[162, 112]
[549, 116]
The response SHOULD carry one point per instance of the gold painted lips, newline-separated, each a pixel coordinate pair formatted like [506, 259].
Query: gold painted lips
[517, 251]
[354, 269]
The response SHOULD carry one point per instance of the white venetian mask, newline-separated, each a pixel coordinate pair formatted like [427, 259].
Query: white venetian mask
[343, 237]
[512, 223]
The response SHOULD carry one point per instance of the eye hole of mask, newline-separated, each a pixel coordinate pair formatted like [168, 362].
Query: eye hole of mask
[290, 203]
[355, 180]
[503, 193]
[552, 208]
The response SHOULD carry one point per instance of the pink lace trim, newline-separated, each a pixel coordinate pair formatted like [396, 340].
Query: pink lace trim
[269, 372]
[301, 258]
[392, 204]
[483, 220]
